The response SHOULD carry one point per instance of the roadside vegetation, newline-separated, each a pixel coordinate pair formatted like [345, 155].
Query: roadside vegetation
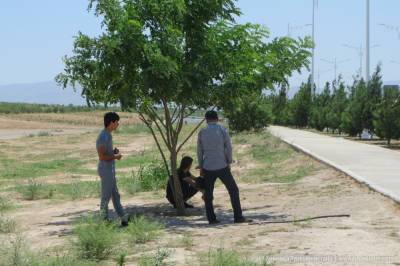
[19, 108]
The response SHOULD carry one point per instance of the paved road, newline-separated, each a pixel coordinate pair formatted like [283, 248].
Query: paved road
[375, 166]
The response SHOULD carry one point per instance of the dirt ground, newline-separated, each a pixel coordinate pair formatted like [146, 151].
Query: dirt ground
[373, 228]
[13, 126]
[369, 236]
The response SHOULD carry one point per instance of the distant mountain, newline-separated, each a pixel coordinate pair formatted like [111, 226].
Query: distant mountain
[42, 92]
[396, 82]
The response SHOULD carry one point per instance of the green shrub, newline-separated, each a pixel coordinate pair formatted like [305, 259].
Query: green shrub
[96, 239]
[252, 112]
[130, 184]
[5, 205]
[18, 254]
[150, 177]
[80, 190]
[136, 129]
[44, 134]
[222, 257]
[33, 190]
[6, 225]
[142, 230]
[157, 259]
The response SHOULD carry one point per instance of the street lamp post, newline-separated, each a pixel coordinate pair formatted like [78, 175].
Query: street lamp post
[360, 54]
[335, 64]
[368, 46]
[315, 3]
[392, 28]
[293, 28]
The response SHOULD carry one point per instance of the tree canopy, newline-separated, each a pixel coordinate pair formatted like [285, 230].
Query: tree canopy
[177, 56]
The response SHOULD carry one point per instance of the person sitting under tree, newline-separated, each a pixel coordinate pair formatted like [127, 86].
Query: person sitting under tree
[190, 185]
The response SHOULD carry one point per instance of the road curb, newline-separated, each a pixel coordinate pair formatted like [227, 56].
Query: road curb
[339, 168]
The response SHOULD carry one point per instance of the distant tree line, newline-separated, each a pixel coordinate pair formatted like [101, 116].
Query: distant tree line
[341, 108]
[18, 108]
[338, 108]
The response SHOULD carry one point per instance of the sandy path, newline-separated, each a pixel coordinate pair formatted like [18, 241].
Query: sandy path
[372, 230]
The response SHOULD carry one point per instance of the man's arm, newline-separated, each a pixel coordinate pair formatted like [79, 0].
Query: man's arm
[228, 147]
[200, 153]
[103, 157]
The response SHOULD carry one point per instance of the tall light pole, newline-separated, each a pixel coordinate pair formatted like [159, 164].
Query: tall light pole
[315, 3]
[360, 54]
[335, 64]
[293, 28]
[367, 47]
[392, 28]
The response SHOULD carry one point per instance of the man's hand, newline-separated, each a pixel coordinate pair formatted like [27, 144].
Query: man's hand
[118, 157]
[201, 172]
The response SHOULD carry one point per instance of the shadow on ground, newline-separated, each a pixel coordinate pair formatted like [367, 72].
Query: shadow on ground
[164, 213]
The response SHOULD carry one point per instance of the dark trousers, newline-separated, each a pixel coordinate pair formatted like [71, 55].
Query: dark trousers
[226, 177]
[187, 192]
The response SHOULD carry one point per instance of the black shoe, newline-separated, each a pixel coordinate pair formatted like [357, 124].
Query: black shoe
[189, 206]
[213, 222]
[124, 223]
[242, 220]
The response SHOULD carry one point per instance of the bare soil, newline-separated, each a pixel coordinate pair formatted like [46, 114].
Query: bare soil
[373, 228]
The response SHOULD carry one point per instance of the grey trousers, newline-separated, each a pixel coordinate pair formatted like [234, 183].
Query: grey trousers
[109, 191]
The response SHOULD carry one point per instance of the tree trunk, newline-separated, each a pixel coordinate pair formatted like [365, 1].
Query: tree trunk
[177, 189]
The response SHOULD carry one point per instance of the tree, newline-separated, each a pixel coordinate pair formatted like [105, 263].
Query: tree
[355, 118]
[320, 109]
[387, 116]
[374, 91]
[337, 106]
[300, 106]
[165, 59]
[251, 112]
[280, 106]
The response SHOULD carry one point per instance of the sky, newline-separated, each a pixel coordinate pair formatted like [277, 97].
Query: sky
[35, 35]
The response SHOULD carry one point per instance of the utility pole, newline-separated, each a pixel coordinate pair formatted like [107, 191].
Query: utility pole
[293, 28]
[392, 28]
[360, 54]
[315, 4]
[368, 46]
[335, 64]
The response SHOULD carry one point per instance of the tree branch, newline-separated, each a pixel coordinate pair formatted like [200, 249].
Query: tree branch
[157, 142]
[190, 135]
[169, 128]
[166, 140]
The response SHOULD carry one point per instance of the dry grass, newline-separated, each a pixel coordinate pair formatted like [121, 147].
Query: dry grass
[275, 183]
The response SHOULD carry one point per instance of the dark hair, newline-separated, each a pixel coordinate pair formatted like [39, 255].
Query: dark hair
[211, 115]
[110, 117]
[185, 163]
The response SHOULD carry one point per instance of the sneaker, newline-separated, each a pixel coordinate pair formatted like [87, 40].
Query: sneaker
[242, 220]
[213, 222]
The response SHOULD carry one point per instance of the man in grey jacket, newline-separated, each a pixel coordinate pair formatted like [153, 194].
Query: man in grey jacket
[214, 151]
